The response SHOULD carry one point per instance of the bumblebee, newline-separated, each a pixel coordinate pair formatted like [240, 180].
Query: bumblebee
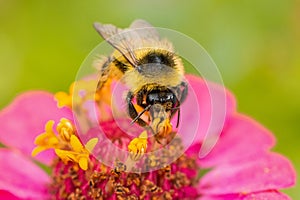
[154, 74]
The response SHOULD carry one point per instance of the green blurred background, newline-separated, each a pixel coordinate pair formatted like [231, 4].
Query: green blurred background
[254, 43]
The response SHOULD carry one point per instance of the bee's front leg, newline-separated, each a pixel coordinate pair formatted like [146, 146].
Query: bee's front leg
[132, 111]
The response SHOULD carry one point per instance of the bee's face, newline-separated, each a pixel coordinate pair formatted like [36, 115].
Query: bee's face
[166, 98]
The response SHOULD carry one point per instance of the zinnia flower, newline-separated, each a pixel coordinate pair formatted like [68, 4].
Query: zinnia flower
[239, 166]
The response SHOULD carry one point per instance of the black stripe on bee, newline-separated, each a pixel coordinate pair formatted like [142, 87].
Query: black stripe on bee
[121, 66]
[165, 58]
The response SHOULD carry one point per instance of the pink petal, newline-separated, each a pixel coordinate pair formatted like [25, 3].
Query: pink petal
[274, 195]
[7, 195]
[204, 112]
[266, 195]
[268, 172]
[241, 139]
[21, 177]
[25, 118]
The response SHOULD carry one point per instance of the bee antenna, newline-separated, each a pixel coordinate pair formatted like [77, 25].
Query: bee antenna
[140, 114]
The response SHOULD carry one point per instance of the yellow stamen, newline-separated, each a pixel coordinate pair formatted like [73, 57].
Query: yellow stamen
[46, 140]
[66, 144]
[76, 144]
[78, 153]
[83, 163]
[63, 98]
[65, 129]
[90, 145]
[49, 140]
[138, 146]
[38, 150]
[79, 92]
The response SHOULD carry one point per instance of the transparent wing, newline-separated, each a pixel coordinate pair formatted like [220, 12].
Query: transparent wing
[121, 40]
[126, 41]
[145, 29]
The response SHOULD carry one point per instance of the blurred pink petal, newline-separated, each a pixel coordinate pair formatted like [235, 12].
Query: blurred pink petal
[268, 172]
[266, 195]
[241, 139]
[7, 195]
[205, 110]
[21, 177]
[25, 118]
[272, 195]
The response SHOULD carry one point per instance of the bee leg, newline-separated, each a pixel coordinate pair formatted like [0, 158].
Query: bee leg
[184, 91]
[182, 98]
[132, 111]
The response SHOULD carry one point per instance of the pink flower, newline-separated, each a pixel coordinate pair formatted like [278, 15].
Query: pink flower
[21, 122]
[239, 166]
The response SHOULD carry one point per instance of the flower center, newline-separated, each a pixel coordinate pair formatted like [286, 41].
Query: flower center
[177, 180]
[171, 181]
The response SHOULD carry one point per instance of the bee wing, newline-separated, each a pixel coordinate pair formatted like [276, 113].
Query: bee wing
[126, 41]
[123, 40]
[145, 29]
